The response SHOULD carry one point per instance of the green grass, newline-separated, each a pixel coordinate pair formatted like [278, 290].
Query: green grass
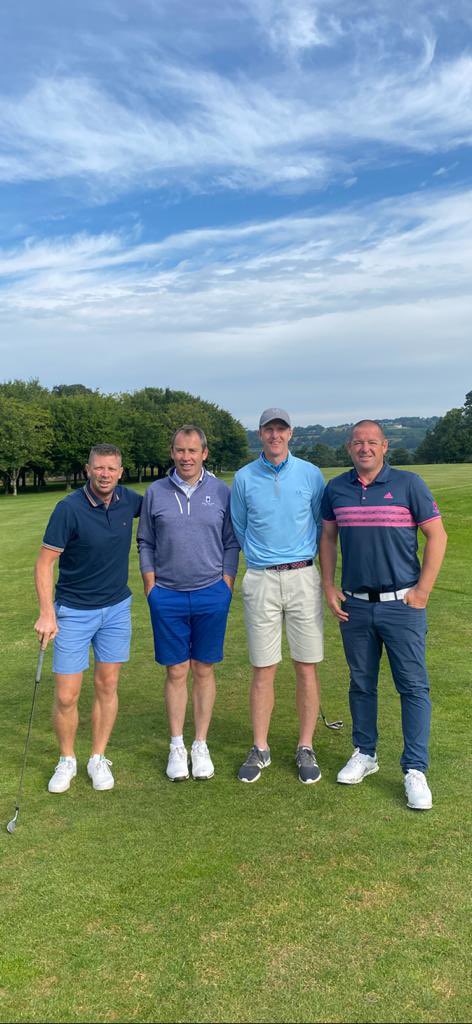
[221, 902]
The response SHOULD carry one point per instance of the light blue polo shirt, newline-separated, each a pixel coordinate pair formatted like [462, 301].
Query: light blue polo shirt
[276, 511]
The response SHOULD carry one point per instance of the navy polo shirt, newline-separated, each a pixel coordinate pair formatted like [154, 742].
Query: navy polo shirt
[377, 525]
[94, 542]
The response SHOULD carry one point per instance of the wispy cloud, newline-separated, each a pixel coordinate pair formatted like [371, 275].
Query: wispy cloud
[268, 125]
[245, 141]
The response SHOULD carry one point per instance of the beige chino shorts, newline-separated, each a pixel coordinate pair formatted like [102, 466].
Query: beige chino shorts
[293, 595]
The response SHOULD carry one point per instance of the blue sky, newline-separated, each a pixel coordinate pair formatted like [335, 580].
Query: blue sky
[264, 202]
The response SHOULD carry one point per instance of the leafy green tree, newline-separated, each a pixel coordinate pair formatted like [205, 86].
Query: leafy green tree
[399, 457]
[447, 442]
[25, 437]
[342, 456]
[25, 391]
[80, 421]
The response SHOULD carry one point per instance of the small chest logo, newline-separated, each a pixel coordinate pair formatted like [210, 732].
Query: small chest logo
[208, 500]
[389, 496]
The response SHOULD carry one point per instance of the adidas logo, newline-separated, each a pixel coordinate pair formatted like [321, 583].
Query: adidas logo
[388, 495]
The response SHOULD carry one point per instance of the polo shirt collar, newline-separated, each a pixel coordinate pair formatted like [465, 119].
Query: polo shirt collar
[183, 483]
[381, 477]
[270, 465]
[94, 500]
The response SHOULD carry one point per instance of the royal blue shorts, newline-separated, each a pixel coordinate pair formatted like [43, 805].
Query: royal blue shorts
[107, 629]
[189, 623]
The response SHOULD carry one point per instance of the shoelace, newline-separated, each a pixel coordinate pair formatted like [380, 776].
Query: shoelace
[306, 757]
[200, 748]
[103, 766]
[416, 779]
[179, 752]
[254, 758]
[63, 767]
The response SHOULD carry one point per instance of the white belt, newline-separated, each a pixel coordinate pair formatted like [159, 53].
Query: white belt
[389, 595]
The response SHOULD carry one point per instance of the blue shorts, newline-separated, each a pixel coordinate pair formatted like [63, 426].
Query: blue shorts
[107, 629]
[189, 623]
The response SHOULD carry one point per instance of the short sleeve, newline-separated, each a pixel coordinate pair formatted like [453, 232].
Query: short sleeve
[422, 504]
[327, 512]
[60, 527]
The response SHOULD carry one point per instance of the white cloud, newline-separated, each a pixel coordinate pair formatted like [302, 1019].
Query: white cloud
[379, 291]
[165, 122]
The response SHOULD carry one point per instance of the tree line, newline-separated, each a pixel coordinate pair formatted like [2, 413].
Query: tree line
[449, 440]
[49, 432]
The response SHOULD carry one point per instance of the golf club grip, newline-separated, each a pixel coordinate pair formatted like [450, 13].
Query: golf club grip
[39, 666]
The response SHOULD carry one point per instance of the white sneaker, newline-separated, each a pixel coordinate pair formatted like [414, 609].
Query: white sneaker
[358, 766]
[202, 764]
[177, 765]
[417, 791]
[65, 771]
[98, 769]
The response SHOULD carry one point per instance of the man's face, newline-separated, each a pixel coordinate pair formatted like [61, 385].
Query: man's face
[367, 449]
[104, 472]
[275, 437]
[188, 456]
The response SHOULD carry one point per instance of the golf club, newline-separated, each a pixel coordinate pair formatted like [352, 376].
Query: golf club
[331, 725]
[12, 824]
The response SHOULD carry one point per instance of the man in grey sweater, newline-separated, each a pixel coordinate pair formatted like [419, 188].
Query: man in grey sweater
[188, 557]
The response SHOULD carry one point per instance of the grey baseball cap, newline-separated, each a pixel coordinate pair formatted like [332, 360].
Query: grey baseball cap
[274, 414]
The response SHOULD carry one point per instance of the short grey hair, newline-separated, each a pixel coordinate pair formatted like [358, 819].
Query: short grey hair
[104, 449]
[362, 423]
[190, 428]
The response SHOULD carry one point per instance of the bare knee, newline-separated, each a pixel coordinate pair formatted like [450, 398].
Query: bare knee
[177, 674]
[66, 697]
[106, 679]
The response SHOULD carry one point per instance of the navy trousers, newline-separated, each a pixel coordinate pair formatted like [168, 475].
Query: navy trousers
[402, 630]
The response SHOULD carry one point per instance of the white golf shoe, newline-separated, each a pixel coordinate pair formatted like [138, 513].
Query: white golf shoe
[177, 764]
[98, 769]
[65, 771]
[418, 793]
[202, 764]
[358, 766]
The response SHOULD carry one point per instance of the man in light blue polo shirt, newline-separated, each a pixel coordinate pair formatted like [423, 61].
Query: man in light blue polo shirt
[89, 532]
[275, 508]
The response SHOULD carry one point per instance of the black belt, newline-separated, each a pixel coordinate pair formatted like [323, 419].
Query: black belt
[290, 565]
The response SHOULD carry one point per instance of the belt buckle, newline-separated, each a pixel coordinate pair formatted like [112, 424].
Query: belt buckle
[374, 595]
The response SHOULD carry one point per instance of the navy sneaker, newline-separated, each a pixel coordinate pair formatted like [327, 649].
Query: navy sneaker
[308, 770]
[256, 760]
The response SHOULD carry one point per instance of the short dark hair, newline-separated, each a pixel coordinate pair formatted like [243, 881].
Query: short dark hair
[104, 449]
[190, 428]
[362, 423]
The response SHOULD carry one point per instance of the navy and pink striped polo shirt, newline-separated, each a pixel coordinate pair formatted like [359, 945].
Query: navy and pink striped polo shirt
[377, 525]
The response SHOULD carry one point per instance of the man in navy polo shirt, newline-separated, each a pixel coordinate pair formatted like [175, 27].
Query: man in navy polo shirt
[90, 533]
[376, 510]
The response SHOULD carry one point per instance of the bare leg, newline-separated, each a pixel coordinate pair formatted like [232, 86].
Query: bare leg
[203, 697]
[105, 705]
[65, 714]
[308, 701]
[262, 703]
[176, 696]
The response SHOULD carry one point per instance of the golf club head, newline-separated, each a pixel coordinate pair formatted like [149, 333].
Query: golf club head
[12, 824]
[333, 725]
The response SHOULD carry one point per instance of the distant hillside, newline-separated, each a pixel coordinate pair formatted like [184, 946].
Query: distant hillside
[402, 432]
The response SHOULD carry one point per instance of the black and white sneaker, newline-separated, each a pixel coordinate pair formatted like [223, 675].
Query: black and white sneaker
[308, 770]
[256, 760]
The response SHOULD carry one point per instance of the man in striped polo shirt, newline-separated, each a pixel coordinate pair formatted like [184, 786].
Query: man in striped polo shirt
[376, 511]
